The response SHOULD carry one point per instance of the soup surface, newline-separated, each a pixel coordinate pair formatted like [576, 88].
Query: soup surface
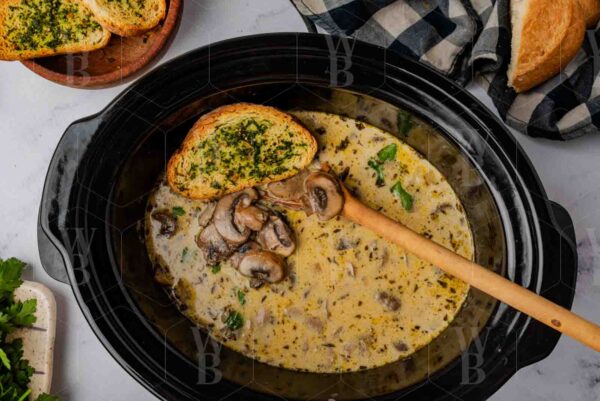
[350, 300]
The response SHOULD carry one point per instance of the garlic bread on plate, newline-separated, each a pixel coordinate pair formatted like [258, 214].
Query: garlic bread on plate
[128, 17]
[37, 28]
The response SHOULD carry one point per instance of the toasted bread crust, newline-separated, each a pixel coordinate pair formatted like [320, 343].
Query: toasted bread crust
[9, 52]
[562, 23]
[123, 26]
[591, 11]
[206, 125]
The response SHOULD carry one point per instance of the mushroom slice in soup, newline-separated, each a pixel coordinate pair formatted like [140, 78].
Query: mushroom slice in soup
[206, 214]
[168, 222]
[224, 219]
[324, 195]
[213, 245]
[277, 236]
[388, 301]
[289, 192]
[250, 216]
[237, 257]
[263, 265]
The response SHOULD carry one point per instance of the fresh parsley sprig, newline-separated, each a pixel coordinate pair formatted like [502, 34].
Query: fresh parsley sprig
[405, 198]
[385, 154]
[15, 372]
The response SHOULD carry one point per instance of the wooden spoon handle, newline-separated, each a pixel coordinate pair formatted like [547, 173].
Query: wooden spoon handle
[493, 284]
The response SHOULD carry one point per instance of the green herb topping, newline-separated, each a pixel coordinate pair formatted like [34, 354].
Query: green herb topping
[378, 167]
[387, 153]
[234, 321]
[178, 211]
[241, 296]
[216, 268]
[135, 6]
[242, 150]
[184, 254]
[35, 24]
[405, 198]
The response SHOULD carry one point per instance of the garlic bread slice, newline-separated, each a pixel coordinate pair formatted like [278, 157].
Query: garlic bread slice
[37, 28]
[239, 146]
[128, 17]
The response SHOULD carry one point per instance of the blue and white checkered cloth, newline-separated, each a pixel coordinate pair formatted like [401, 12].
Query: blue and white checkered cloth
[470, 39]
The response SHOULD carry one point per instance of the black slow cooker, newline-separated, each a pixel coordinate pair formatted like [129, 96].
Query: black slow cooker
[91, 219]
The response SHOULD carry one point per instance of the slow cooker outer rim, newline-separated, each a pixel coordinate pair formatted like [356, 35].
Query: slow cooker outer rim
[181, 60]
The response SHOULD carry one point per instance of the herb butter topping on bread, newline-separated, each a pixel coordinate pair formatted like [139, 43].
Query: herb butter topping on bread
[37, 28]
[239, 146]
[128, 17]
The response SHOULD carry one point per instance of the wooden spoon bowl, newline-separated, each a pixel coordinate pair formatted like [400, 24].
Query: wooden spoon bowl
[114, 64]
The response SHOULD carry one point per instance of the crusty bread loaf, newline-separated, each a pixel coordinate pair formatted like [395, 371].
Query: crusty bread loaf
[128, 17]
[591, 11]
[37, 28]
[238, 146]
[546, 35]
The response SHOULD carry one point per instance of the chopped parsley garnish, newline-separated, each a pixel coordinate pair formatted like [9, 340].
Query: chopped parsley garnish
[193, 171]
[241, 296]
[404, 122]
[387, 153]
[15, 372]
[216, 268]
[234, 321]
[184, 253]
[178, 211]
[405, 198]
[378, 167]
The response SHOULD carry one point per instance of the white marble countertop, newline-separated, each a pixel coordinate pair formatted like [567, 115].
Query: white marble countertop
[34, 113]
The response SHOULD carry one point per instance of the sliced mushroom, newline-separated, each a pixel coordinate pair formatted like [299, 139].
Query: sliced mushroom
[290, 192]
[324, 195]
[213, 245]
[168, 222]
[277, 236]
[264, 316]
[345, 243]
[255, 283]
[400, 346]
[315, 323]
[206, 214]
[251, 217]
[389, 302]
[263, 265]
[237, 257]
[223, 218]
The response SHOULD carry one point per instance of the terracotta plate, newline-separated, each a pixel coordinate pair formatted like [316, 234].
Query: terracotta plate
[120, 59]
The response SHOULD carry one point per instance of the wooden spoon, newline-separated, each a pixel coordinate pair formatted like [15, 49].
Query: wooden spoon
[493, 284]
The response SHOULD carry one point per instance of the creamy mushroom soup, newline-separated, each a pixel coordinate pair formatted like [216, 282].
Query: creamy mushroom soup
[346, 299]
